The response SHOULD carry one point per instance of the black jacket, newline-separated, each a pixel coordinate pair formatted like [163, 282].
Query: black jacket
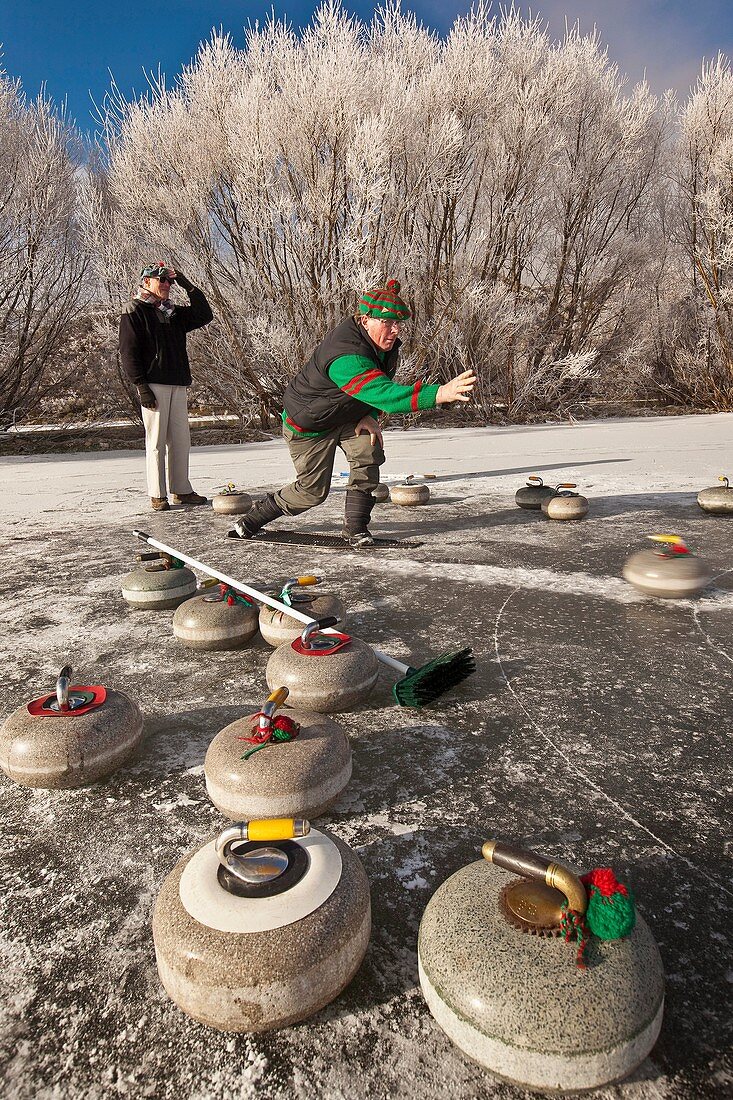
[313, 401]
[153, 349]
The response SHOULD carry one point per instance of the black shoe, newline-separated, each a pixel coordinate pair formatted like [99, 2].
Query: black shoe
[261, 512]
[357, 512]
[360, 539]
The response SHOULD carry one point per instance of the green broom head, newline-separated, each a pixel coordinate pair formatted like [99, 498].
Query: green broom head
[422, 685]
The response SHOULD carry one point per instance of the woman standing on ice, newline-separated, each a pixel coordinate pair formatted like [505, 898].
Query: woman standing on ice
[153, 352]
[333, 402]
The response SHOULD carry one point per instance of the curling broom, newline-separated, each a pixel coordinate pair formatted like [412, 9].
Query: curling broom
[418, 686]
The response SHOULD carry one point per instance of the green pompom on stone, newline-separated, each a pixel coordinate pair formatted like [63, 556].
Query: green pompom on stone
[610, 918]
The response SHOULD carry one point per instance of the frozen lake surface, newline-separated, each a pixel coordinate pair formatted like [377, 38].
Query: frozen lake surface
[597, 731]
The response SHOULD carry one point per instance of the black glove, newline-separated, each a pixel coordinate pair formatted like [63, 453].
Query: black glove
[147, 397]
[182, 281]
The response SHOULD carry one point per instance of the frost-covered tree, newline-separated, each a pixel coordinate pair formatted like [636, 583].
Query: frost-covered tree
[507, 180]
[42, 261]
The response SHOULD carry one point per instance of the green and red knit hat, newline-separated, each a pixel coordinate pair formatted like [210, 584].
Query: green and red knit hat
[384, 302]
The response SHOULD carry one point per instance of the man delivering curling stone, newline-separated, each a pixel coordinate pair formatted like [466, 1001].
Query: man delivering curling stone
[333, 402]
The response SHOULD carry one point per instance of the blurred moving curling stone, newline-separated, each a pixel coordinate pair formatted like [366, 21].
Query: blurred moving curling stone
[221, 618]
[412, 492]
[161, 583]
[323, 672]
[72, 737]
[670, 571]
[501, 981]
[262, 927]
[293, 764]
[564, 503]
[231, 501]
[534, 493]
[718, 500]
[277, 627]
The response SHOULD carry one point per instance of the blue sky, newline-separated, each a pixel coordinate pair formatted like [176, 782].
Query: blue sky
[73, 46]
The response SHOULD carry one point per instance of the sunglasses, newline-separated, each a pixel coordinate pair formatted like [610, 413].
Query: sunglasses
[164, 279]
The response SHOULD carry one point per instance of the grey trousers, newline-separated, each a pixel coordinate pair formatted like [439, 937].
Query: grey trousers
[313, 460]
[167, 435]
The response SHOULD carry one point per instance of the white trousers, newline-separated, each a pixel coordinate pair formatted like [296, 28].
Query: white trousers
[167, 433]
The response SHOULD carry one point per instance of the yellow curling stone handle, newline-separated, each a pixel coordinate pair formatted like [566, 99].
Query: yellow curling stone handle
[276, 828]
[673, 540]
[305, 581]
[278, 697]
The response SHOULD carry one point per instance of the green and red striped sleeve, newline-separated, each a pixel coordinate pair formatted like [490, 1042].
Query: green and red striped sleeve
[358, 376]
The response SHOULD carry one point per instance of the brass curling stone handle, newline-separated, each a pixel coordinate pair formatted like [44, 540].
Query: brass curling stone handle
[530, 865]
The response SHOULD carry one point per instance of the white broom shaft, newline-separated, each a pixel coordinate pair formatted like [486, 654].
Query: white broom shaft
[391, 662]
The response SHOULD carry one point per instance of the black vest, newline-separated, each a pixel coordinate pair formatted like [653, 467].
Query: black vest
[313, 401]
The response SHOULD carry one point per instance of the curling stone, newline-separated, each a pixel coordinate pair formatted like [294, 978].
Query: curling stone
[505, 986]
[163, 583]
[294, 764]
[411, 493]
[381, 493]
[718, 500]
[564, 503]
[534, 493]
[75, 736]
[231, 501]
[221, 619]
[263, 927]
[323, 672]
[276, 627]
[670, 571]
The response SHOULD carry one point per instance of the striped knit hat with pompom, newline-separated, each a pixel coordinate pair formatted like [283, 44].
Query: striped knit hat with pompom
[384, 302]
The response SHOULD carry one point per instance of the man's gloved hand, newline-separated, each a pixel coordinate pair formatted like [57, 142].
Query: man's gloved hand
[182, 281]
[147, 397]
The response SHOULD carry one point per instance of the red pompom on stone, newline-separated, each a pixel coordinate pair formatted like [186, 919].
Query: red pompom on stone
[604, 880]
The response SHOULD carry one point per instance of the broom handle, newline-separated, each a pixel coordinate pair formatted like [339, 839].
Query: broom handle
[391, 662]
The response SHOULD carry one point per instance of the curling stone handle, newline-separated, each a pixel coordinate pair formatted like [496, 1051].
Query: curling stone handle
[530, 865]
[314, 626]
[535, 479]
[63, 682]
[567, 485]
[724, 479]
[274, 700]
[265, 829]
[210, 582]
[147, 556]
[308, 580]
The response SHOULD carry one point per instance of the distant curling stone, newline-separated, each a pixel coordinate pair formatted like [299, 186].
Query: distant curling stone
[232, 501]
[718, 500]
[220, 619]
[294, 764]
[263, 927]
[70, 738]
[323, 672]
[565, 504]
[161, 585]
[381, 493]
[411, 493]
[277, 627]
[528, 1007]
[534, 493]
[671, 571]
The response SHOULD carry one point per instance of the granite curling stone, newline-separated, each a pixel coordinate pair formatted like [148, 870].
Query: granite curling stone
[504, 985]
[71, 738]
[411, 493]
[263, 927]
[323, 672]
[277, 627]
[534, 493]
[294, 764]
[564, 504]
[670, 571]
[381, 493]
[220, 619]
[231, 501]
[718, 500]
[163, 584]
